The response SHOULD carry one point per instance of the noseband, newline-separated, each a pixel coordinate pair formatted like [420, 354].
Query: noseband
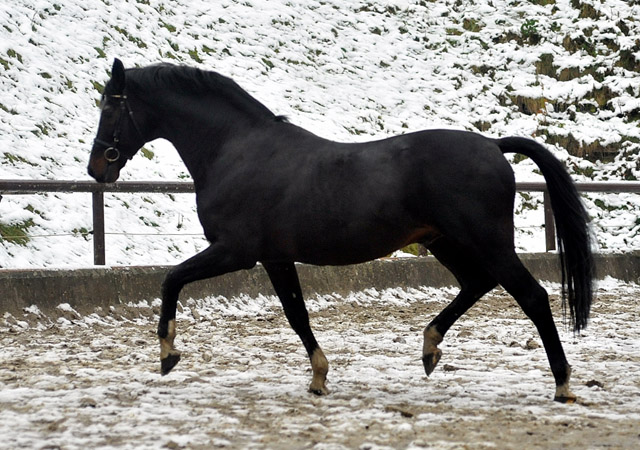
[111, 152]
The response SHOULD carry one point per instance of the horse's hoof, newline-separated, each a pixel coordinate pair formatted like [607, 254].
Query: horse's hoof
[319, 391]
[564, 399]
[168, 363]
[430, 361]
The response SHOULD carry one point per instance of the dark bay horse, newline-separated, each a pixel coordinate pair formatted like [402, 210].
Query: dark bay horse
[268, 191]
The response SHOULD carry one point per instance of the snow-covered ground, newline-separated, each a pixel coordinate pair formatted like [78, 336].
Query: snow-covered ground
[73, 382]
[348, 70]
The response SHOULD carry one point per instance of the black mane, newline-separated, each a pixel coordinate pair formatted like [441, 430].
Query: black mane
[192, 81]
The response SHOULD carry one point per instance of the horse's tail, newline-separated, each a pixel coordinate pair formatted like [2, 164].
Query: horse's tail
[574, 239]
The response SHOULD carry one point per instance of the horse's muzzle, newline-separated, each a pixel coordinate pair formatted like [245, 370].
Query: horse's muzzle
[103, 172]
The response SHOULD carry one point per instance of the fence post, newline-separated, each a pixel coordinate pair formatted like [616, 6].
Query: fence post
[98, 228]
[549, 222]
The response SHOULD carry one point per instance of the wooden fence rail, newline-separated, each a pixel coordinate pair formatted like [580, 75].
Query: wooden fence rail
[97, 191]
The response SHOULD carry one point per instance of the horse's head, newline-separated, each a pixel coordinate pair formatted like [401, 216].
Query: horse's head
[119, 135]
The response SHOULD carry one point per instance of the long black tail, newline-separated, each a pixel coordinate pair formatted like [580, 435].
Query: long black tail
[574, 239]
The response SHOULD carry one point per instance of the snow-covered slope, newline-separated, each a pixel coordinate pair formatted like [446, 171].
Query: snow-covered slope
[566, 72]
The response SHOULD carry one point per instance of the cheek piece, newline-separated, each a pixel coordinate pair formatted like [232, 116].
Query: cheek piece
[111, 152]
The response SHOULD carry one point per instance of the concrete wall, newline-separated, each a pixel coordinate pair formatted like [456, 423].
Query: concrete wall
[85, 289]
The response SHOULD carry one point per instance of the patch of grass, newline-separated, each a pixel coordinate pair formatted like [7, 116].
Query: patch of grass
[42, 129]
[529, 31]
[133, 39]
[195, 56]
[517, 158]
[16, 159]
[147, 153]
[268, 63]
[587, 171]
[148, 222]
[101, 53]
[415, 249]
[472, 25]
[33, 210]
[98, 87]
[208, 50]
[605, 206]
[7, 110]
[169, 27]
[84, 232]
[529, 202]
[482, 125]
[16, 233]
[13, 54]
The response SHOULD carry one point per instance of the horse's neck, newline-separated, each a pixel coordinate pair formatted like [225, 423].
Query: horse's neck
[198, 135]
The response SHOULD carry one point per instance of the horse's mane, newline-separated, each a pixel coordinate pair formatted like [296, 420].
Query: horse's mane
[193, 81]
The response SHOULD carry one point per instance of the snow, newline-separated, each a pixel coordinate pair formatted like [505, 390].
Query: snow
[92, 381]
[347, 70]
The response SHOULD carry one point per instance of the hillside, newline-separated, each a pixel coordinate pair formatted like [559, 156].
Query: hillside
[566, 72]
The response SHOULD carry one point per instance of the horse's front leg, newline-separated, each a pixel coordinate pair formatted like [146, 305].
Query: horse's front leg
[209, 263]
[285, 281]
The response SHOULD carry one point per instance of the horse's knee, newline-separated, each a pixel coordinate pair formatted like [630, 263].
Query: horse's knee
[170, 285]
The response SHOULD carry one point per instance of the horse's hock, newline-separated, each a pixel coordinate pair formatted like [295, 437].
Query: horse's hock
[87, 289]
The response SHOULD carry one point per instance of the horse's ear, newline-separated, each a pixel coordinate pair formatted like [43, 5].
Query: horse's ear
[117, 76]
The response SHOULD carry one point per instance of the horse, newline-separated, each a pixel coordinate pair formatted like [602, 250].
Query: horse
[270, 192]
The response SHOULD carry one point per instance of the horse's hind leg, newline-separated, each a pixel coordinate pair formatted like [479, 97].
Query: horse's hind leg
[474, 283]
[534, 301]
[285, 281]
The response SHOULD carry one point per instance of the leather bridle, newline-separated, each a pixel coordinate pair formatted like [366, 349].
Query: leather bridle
[111, 152]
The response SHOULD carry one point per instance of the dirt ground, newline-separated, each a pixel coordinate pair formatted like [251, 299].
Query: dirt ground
[69, 381]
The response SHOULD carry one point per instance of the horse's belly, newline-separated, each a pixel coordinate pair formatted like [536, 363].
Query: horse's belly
[352, 247]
